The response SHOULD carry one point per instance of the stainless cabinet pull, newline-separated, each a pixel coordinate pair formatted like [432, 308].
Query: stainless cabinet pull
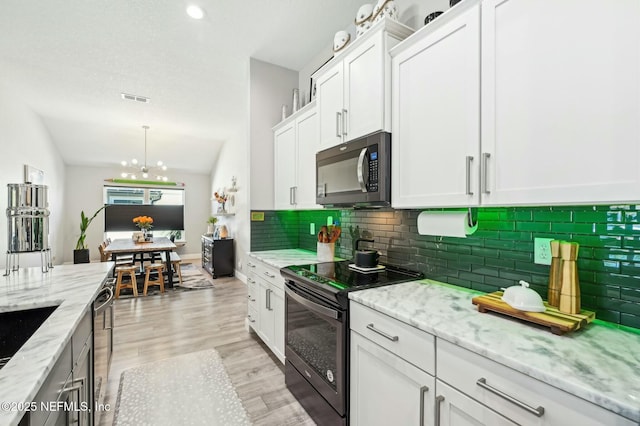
[382, 333]
[251, 265]
[344, 122]
[250, 319]
[439, 399]
[468, 190]
[538, 412]
[269, 300]
[423, 390]
[295, 195]
[338, 122]
[291, 195]
[485, 173]
[251, 281]
[269, 275]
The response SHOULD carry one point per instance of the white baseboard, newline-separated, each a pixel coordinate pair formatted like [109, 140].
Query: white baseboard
[242, 277]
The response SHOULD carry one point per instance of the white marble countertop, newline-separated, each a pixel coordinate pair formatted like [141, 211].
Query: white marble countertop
[287, 257]
[73, 288]
[599, 364]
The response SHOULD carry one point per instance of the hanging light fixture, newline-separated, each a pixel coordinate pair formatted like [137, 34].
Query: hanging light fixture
[145, 171]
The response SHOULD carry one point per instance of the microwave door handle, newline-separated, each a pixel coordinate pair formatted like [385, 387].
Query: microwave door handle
[361, 158]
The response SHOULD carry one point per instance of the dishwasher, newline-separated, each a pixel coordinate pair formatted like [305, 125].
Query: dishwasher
[103, 323]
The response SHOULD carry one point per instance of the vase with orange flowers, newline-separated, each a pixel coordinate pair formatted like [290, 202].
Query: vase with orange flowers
[145, 223]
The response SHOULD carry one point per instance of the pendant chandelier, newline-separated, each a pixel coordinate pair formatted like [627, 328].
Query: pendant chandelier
[133, 170]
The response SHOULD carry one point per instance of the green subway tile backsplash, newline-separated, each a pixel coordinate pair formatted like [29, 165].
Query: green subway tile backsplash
[499, 254]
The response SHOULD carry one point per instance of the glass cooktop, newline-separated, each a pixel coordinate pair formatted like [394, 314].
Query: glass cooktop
[341, 277]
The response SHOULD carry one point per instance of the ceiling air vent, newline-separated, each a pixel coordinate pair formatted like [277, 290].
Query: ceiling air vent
[136, 98]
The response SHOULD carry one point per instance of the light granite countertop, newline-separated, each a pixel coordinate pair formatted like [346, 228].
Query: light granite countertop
[71, 287]
[286, 257]
[599, 364]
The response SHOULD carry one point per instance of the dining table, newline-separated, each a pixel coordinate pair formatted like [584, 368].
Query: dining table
[164, 245]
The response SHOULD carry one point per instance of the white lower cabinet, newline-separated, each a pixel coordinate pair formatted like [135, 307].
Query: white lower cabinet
[386, 389]
[404, 376]
[266, 305]
[453, 408]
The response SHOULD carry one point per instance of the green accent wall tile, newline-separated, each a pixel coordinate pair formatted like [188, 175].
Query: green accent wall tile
[552, 216]
[533, 226]
[500, 252]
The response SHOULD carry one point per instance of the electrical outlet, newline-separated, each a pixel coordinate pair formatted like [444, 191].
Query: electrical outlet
[312, 228]
[542, 251]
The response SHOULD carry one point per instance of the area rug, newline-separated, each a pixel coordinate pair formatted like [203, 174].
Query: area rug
[191, 389]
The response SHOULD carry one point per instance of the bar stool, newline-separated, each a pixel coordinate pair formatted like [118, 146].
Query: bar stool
[159, 268]
[132, 284]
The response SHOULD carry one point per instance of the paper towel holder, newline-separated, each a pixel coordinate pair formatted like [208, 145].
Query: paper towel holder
[470, 220]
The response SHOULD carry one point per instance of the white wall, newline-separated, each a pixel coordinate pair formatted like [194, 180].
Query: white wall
[270, 87]
[25, 140]
[85, 192]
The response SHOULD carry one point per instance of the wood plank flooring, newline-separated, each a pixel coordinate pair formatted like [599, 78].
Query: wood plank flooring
[158, 327]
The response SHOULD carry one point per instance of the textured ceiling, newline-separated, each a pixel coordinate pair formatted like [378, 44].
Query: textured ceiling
[71, 59]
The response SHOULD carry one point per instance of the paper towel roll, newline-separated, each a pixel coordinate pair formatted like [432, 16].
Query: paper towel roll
[446, 224]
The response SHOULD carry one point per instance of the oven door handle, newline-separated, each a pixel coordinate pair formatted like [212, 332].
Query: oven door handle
[322, 310]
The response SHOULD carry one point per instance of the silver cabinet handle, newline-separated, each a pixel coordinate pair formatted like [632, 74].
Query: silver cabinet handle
[382, 333]
[269, 275]
[439, 399]
[291, 195]
[423, 390]
[250, 319]
[360, 171]
[538, 412]
[485, 172]
[251, 265]
[269, 299]
[338, 122]
[344, 122]
[468, 190]
[295, 195]
[251, 281]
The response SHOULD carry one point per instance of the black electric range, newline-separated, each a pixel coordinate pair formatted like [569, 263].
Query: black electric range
[334, 280]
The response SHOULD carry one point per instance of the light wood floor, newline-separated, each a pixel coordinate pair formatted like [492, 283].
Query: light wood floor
[158, 327]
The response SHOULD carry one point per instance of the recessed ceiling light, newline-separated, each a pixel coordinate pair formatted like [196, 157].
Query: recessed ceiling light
[195, 11]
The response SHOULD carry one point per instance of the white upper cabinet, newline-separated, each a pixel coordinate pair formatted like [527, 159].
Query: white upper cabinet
[295, 146]
[353, 89]
[436, 113]
[285, 152]
[560, 101]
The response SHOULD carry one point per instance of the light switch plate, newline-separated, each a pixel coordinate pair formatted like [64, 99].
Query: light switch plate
[542, 251]
[312, 228]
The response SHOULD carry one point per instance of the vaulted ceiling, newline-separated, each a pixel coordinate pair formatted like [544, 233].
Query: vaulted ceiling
[70, 60]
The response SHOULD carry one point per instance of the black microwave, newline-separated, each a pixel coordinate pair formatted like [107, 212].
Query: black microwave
[355, 174]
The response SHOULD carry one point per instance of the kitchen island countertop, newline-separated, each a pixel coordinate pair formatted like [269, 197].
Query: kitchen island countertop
[600, 364]
[70, 287]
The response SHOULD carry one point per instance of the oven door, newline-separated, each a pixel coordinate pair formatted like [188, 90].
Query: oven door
[316, 344]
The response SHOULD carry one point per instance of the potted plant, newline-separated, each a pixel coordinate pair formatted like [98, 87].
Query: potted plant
[210, 224]
[81, 253]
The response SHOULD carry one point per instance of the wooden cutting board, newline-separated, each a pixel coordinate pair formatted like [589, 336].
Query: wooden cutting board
[559, 323]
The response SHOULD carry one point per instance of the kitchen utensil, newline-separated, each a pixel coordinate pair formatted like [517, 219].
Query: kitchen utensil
[365, 258]
[570, 287]
[555, 275]
[523, 298]
[430, 17]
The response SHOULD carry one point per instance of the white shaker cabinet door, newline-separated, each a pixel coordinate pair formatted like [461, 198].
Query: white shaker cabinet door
[453, 408]
[436, 114]
[285, 167]
[308, 145]
[560, 101]
[386, 389]
[364, 89]
[329, 104]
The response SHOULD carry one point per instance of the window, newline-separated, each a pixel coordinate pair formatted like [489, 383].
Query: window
[164, 205]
